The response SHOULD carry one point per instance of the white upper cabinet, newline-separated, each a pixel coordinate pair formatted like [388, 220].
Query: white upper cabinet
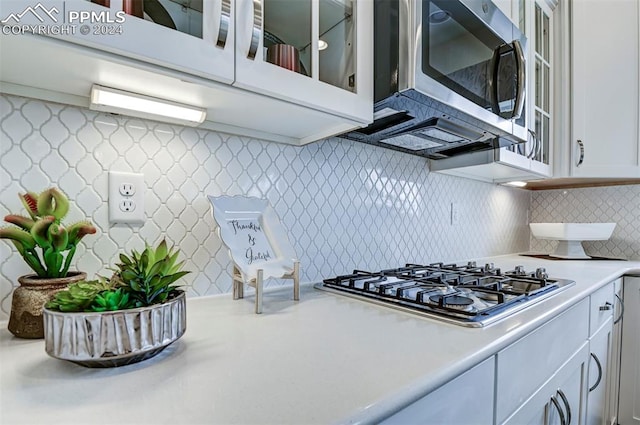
[289, 71]
[313, 52]
[605, 45]
[193, 36]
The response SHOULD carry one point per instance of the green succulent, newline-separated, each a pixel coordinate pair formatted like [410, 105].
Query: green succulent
[111, 300]
[142, 279]
[79, 296]
[43, 229]
[149, 277]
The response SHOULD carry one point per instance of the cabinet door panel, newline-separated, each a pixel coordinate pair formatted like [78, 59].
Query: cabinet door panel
[605, 88]
[547, 405]
[599, 346]
[195, 46]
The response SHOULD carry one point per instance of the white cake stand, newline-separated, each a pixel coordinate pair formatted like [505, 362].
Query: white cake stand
[571, 235]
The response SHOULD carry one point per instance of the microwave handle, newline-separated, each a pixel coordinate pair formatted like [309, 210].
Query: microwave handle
[522, 78]
[516, 48]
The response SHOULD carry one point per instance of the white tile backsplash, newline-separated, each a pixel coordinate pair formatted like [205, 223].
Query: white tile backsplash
[619, 204]
[345, 205]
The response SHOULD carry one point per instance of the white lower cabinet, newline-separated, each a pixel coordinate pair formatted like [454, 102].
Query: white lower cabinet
[601, 305]
[629, 405]
[528, 365]
[562, 373]
[561, 399]
[466, 400]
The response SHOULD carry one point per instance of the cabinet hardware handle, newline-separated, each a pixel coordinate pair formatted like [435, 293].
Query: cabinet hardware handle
[621, 309]
[256, 30]
[555, 403]
[581, 146]
[607, 306]
[566, 405]
[599, 372]
[536, 145]
[225, 17]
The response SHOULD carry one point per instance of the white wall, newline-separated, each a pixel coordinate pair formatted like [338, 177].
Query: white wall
[345, 205]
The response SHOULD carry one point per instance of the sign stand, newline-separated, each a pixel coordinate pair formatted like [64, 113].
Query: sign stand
[259, 246]
[257, 282]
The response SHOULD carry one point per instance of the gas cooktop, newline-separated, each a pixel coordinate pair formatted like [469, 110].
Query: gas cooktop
[468, 295]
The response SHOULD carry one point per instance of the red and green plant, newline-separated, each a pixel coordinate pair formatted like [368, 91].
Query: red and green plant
[45, 243]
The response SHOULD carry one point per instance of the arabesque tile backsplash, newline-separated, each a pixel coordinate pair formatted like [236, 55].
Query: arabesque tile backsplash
[614, 204]
[345, 205]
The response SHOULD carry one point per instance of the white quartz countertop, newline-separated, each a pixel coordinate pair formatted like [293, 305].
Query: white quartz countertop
[324, 359]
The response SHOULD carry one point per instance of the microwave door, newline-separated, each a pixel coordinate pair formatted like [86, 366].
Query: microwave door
[457, 50]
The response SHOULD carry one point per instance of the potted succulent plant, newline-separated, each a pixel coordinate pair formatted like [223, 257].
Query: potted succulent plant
[130, 317]
[47, 246]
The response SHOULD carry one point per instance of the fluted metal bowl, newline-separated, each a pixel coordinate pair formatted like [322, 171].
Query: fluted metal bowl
[114, 338]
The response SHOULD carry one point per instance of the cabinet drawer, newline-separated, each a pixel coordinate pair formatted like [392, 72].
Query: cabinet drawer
[468, 399]
[600, 308]
[529, 362]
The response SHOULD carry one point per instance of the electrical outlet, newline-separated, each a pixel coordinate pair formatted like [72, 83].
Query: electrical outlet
[126, 198]
[127, 205]
[454, 214]
[127, 189]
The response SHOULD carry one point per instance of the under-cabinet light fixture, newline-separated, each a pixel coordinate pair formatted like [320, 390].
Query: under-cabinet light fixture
[516, 184]
[322, 44]
[106, 99]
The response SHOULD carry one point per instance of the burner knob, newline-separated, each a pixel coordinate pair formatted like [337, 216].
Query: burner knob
[488, 267]
[541, 273]
[519, 270]
[472, 265]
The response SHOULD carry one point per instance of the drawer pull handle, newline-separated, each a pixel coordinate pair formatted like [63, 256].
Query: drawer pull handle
[607, 306]
[599, 372]
[555, 403]
[566, 405]
[621, 309]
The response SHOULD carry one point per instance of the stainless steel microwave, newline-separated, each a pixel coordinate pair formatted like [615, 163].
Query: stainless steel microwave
[450, 78]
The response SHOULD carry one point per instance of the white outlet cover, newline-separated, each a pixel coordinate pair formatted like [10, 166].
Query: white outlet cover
[117, 214]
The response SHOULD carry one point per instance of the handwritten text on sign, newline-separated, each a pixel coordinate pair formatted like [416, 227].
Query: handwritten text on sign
[249, 233]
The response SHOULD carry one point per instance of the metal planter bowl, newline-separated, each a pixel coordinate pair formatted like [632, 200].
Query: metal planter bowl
[114, 338]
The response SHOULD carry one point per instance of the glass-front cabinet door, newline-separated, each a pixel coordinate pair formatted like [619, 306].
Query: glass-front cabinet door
[535, 20]
[193, 36]
[313, 52]
[543, 83]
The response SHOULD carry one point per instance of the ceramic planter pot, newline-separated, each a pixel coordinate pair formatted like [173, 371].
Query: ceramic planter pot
[114, 338]
[28, 301]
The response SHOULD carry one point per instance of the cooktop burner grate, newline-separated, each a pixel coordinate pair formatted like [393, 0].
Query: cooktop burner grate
[468, 294]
